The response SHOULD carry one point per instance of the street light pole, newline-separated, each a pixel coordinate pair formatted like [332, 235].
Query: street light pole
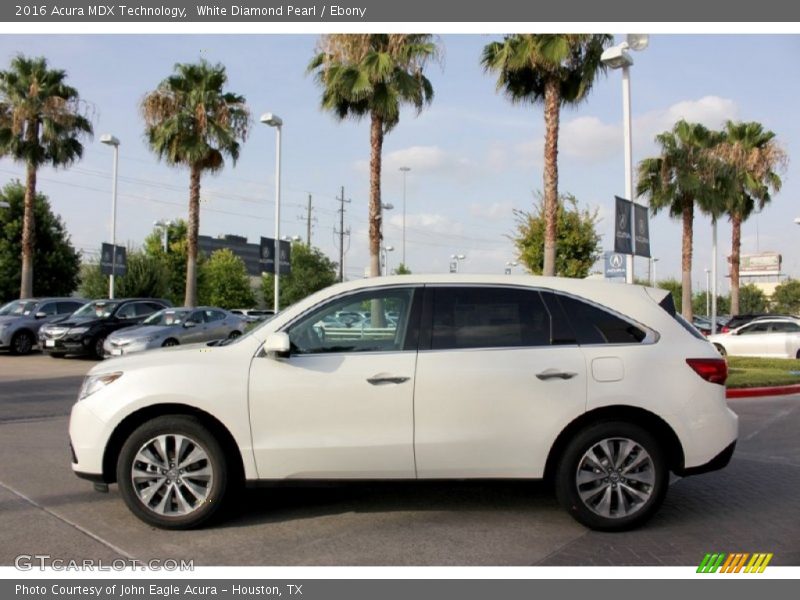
[708, 292]
[405, 171]
[713, 275]
[457, 258]
[110, 140]
[617, 57]
[276, 122]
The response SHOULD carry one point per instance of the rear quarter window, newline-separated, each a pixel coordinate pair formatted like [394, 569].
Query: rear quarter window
[594, 325]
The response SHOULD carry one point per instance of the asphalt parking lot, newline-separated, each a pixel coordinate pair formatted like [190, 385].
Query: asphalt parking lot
[752, 506]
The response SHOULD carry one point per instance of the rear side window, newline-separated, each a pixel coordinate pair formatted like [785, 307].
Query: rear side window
[488, 318]
[593, 325]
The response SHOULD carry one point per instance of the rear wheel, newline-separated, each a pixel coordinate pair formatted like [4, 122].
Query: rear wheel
[612, 476]
[169, 342]
[22, 343]
[234, 334]
[172, 473]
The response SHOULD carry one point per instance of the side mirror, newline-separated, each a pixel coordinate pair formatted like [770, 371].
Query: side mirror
[189, 324]
[278, 345]
[40, 315]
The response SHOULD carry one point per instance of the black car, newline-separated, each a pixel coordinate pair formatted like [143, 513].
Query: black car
[85, 330]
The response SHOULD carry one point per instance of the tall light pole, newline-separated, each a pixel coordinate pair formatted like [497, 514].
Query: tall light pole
[164, 225]
[617, 57]
[386, 250]
[457, 258]
[110, 140]
[653, 279]
[405, 171]
[275, 121]
[713, 275]
[708, 292]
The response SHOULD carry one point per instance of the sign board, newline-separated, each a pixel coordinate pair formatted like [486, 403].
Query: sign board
[623, 241]
[641, 246]
[616, 265]
[454, 266]
[267, 259]
[113, 262]
[765, 263]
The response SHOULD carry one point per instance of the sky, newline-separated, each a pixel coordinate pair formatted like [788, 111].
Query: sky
[474, 157]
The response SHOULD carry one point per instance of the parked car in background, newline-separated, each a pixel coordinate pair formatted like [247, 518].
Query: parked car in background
[702, 325]
[768, 337]
[253, 315]
[479, 377]
[176, 326]
[84, 332]
[20, 320]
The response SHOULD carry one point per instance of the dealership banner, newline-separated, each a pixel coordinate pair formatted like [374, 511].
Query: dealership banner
[623, 240]
[641, 222]
[113, 260]
[268, 256]
[349, 11]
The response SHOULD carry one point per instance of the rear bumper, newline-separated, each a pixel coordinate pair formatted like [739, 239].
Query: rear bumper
[720, 461]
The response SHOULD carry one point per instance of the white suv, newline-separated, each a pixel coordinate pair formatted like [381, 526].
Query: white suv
[600, 388]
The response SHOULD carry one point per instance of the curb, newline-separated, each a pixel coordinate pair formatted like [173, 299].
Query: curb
[757, 392]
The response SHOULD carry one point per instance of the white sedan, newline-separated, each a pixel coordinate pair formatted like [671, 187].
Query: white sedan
[777, 337]
[471, 377]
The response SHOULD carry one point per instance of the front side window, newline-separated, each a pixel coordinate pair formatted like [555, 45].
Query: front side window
[49, 309]
[356, 323]
[466, 317]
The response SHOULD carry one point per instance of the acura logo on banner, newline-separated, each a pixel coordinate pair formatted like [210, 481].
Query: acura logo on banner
[642, 245]
[623, 242]
[267, 259]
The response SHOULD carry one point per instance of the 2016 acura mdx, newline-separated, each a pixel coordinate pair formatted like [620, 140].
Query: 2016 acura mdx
[599, 387]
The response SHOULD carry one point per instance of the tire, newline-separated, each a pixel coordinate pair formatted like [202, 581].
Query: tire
[234, 334]
[721, 349]
[167, 496]
[631, 501]
[170, 342]
[97, 348]
[22, 343]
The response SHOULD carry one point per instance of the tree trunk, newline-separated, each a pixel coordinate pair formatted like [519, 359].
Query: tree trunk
[686, 258]
[552, 108]
[192, 231]
[736, 246]
[375, 233]
[28, 234]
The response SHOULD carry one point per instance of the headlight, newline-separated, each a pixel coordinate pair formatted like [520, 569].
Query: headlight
[77, 330]
[92, 383]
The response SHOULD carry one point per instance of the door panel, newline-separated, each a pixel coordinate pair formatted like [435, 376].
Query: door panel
[484, 412]
[317, 416]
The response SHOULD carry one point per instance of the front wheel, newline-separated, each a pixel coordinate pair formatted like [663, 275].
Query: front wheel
[97, 349]
[22, 343]
[234, 334]
[612, 476]
[172, 473]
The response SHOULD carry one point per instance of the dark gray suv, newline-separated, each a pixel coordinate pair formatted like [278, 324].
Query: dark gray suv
[20, 320]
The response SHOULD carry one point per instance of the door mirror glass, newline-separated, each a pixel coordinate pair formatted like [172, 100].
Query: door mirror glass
[41, 315]
[277, 345]
[189, 324]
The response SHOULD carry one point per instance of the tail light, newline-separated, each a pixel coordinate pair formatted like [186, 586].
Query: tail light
[713, 370]
[725, 329]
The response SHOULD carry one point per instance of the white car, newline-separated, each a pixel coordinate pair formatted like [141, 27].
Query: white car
[601, 388]
[776, 337]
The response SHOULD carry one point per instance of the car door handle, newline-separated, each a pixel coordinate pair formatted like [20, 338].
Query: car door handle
[554, 374]
[381, 379]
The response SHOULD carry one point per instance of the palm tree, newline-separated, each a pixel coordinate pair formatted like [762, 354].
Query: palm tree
[41, 122]
[685, 174]
[374, 75]
[190, 121]
[554, 69]
[753, 157]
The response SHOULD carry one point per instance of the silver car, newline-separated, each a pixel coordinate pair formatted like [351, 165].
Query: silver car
[173, 327]
[20, 320]
[768, 337]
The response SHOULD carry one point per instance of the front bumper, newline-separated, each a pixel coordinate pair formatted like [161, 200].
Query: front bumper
[66, 345]
[112, 350]
[88, 436]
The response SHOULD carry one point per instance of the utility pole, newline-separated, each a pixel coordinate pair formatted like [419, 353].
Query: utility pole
[308, 219]
[342, 233]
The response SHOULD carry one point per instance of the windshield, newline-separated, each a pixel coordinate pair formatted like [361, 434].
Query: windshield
[99, 309]
[167, 317]
[18, 308]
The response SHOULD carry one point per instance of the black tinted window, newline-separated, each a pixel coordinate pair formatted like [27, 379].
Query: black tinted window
[593, 325]
[786, 326]
[68, 307]
[488, 318]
